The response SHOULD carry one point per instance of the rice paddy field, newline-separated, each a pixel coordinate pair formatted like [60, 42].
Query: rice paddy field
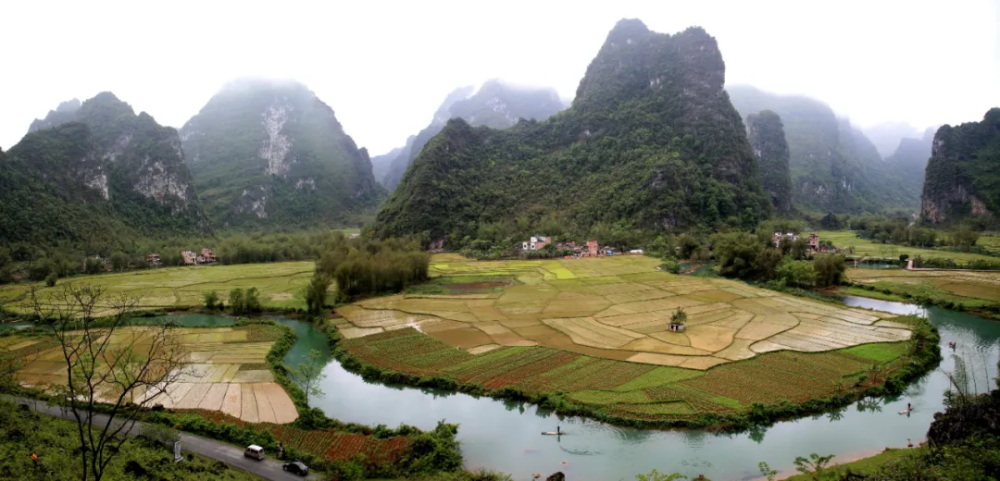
[865, 247]
[280, 284]
[223, 370]
[597, 330]
[971, 289]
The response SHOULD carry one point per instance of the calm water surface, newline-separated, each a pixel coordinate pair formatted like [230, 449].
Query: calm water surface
[505, 435]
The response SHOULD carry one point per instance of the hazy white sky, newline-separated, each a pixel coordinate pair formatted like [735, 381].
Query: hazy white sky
[385, 67]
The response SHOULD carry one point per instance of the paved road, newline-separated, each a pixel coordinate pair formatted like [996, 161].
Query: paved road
[267, 469]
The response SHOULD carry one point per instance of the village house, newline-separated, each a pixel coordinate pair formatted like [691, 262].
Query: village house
[105, 265]
[592, 248]
[778, 237]
[814, 242]
[190, 258]
[207, 256]
[536, 243]
[153, 260]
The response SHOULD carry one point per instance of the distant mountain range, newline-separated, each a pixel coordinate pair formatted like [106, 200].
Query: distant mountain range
[834, 166]
[496, 104]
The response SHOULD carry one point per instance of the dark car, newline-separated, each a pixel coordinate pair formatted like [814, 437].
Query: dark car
[296, 467]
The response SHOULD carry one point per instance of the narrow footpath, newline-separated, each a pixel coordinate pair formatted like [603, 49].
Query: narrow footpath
[219, 451]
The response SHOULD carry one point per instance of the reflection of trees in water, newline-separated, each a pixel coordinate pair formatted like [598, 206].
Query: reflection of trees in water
[757, 433]
[870, 404]
[511, 405]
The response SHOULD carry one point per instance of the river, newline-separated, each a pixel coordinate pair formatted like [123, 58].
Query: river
[505, 436]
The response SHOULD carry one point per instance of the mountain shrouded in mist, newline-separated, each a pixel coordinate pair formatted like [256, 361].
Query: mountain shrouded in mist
[963, 173]
[767, 139]
[270, 153]
[95, 172]
[651, 140]
[834, 166]
[496, 104]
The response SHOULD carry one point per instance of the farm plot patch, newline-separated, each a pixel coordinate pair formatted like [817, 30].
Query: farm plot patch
[224, 370]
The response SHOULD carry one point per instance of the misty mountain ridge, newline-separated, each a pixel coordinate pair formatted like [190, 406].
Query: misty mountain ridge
[495, 104]
[651, 141]
[834, 166]
[96, 171]
[271, 153]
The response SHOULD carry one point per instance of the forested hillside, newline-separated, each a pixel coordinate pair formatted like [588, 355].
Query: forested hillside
[963, 173]
[767, 139]
[496, 104]
[651, 140]
[271, 154]
[834, 167]
[93, 173]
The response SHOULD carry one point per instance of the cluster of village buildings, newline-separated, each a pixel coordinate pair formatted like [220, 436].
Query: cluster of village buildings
[589, 249]
[814, 245]
[207, 256]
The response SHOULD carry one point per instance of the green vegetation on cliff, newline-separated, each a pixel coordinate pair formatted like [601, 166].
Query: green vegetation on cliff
[96, 173]
[767, 139]
[496, 104]
[266, 153]
[963, 173]
[650, 141]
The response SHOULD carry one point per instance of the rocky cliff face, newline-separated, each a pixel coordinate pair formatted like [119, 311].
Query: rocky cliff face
[963, 174]
[834, 166]
[767, 139]
[496, 104]
[108, 166]
[650, 141]
[271, 153]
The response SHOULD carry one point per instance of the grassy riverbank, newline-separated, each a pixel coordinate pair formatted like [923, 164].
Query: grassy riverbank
[868, 465]
[978, 292]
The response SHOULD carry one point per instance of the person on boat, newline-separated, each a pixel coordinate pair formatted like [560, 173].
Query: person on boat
[557, 430]
[908, 408]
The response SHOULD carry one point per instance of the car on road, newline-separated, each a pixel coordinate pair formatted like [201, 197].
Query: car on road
[254, 451]
[296, 467]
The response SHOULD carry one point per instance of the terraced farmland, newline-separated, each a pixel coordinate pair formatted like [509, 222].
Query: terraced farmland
[602, 337]
[223, 370]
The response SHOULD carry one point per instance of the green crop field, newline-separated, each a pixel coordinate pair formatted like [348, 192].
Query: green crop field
[280, 284]
[845, 239]
[966, 288]
[601, 336]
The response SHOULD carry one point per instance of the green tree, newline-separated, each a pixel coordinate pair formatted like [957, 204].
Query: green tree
[51, 279]
[765, 469]
[796, 273]
[211, 300]
[814, 466]
[309, 374]
[829, 269]
[237, 301]
[316, 293]
[252, 301]
[679, 317]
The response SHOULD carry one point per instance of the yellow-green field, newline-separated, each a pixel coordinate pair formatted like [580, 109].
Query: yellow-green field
[600, 336]
[280, 284]
[222, 370]
[620, 308]
[865, 247]
[972, 289]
